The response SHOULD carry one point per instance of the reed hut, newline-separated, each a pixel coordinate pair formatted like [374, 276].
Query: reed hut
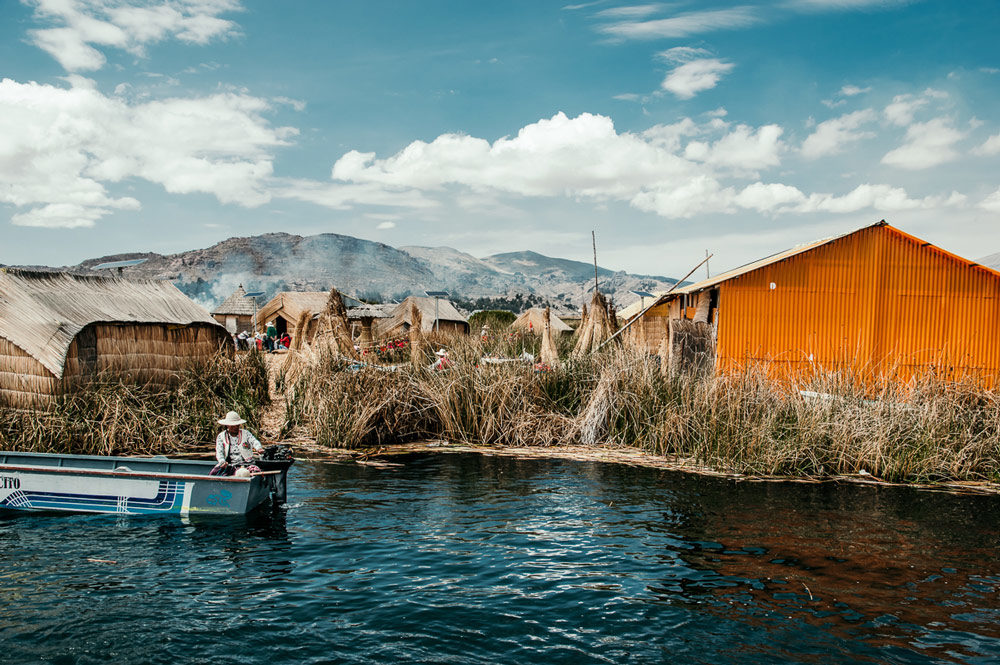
[876, 300]
[59, 330]
[532, 321]
[288, 308]
[236, 312]
[449, 319]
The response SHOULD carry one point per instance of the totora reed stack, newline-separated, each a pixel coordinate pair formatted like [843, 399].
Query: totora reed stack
[596, 327]
[549, 354]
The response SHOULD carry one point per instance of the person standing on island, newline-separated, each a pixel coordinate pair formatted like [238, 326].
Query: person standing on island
[234, 446]
[271, 336]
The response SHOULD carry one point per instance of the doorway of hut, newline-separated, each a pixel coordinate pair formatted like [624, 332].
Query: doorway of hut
[281, 325]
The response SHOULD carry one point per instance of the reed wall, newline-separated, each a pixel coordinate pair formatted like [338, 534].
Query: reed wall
[24, 382]
[152, 355]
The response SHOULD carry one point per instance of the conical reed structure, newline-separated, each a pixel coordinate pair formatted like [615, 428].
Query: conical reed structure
[332, 332]
[550, 356]
[596, 328]
[416, 337]
[299, 355]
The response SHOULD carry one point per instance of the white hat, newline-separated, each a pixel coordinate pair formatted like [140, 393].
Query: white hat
[440, 352]
[232, 418]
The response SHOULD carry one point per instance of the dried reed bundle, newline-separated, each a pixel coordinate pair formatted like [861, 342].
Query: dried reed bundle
[595, 328]
[332, 334]
[417, 357]
[745, 422]
[549, 354]
[111, 415]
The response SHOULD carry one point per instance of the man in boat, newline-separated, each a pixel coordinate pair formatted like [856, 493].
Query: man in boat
[234, 445]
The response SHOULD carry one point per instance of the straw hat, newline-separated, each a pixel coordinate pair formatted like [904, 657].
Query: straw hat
[232, 418]
[440, 352]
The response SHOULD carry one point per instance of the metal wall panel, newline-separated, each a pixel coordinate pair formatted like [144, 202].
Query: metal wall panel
[877, 300]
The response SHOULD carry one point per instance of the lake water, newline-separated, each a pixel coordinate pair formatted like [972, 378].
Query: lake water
[473, 559]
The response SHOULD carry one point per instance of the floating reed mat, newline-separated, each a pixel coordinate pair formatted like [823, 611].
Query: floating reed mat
[112, 415]
[921, 431]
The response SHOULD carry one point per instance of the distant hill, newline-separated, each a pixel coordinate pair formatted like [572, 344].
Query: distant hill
[375, 271]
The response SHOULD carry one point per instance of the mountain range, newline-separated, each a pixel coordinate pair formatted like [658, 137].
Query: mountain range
[377, 272]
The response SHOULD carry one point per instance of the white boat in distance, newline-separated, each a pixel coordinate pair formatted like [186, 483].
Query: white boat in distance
[132, 485]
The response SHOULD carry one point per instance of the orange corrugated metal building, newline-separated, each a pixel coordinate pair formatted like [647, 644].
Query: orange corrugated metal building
[877, 300]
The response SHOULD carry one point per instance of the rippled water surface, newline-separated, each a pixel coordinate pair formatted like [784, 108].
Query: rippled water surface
[470, 559]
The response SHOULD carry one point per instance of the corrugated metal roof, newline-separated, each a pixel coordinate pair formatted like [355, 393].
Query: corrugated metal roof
[42, 312]
[635, 308]
[236, 304]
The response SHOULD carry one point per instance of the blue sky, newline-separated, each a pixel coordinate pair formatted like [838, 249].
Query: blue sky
[669, 128]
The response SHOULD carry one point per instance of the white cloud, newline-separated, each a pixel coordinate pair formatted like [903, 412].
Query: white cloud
[79, 27]
[991, 202]
[927, 144]
[883, 198]
[682, 54]
[70, 215]
[852, 90]
[903, 107]
[767, 197]
[831, 136]
[61, 146]
[743, 149]
[675, 171]
[696, 76]
[683, 25]
[631, 11]
[843, 5]
[385, 226]
[341, 196]
[991, 147]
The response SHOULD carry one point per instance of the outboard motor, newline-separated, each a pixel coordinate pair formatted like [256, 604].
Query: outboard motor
[277, 458]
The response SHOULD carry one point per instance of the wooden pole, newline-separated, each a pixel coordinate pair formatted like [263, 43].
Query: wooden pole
[655, 302]
[593, 240]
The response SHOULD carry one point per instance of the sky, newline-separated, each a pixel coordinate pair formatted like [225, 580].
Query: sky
[669, 129]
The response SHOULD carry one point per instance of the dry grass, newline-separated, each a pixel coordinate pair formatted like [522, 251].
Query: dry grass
[923, 430]
[111, 416]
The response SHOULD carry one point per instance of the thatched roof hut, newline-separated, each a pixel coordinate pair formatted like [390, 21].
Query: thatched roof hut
[533, 321]
[236, 312]
[448, 318]
[287, 308]
[57, 330]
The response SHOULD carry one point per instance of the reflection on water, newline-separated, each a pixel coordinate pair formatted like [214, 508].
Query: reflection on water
[476, 559]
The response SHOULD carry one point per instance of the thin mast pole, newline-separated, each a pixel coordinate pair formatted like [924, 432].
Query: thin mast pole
[593, 239]
[655, 303]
